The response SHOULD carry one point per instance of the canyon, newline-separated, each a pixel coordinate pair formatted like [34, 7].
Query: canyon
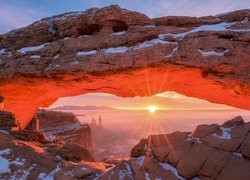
[122, 52]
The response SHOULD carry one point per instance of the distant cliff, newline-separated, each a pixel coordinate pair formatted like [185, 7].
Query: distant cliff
[66, 127]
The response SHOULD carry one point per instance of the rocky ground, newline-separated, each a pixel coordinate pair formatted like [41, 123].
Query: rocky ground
[209, 152]
[125, 53]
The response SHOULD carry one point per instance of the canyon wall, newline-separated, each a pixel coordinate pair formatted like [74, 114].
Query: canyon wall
[117, 51]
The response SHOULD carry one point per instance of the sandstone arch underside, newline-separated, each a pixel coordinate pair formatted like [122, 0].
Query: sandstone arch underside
[125, 53]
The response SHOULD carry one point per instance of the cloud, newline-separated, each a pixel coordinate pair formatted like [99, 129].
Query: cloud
[13, 16]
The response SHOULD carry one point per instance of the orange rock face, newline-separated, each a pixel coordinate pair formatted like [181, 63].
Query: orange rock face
[114, 50]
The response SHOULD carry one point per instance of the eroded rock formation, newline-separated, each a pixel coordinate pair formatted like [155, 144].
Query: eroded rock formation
[65, 127]
[122, 52]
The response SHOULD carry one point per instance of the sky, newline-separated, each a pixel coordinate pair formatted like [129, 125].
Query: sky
[164, 101]
[19, 13]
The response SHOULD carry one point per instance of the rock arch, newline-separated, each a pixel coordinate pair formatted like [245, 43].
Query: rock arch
[206, 57]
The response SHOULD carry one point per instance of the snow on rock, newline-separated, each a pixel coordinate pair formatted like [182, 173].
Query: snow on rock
[33, 48]
[56, 57]
[152, 43]
[2, 51]
[74, 63]
[57, 65]
[238, 154]
[119, 33]
[149, 26]
[81, 53]
[226, 133]
[171, 54]
[35, 57]
[212, 53]
[49, 137]
[4, 132]
[115, 50]
[5, 151]
[245, 20]
[47, 69]
[170, 168]
[4, 163]
[147, 176]
[22, 174]
[139, 161]
[123, 173]
[50, 176]
[18, 161]
[193, 139]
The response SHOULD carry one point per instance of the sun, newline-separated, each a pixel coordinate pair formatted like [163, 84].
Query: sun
[152, 109]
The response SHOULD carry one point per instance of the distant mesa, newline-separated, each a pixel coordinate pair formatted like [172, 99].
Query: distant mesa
[82, 108]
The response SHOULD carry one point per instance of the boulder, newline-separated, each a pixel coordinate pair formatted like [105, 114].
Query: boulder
[191, 163]
[27, 135]
[178, 151]
[236, 168]
[245, 147]
[234, 122]
[215, 163]
[139, 149]
[33, 124]
[205, 130]
[8, 121]
[71, 152]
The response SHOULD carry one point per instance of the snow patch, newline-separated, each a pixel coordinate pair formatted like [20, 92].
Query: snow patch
[56, 56]
[33, 48]
[122, 173]
[171, 54]
[212, 27]
[18, 161]
[35, 57]
[79, 53]
[170, 168]
[66, 38]
[47, 69]
[57, 65]
[149, 26]
[147, 176]
[245, 20]
[4, 132]
[226, 133]
[115, 50]
[212, 53]
[49, 137]
[74, 63]
[238, 154]
[195, 139]
[139, 161]
[151, 43]
[2, 51]
[5, 152]
[50, 176]
[119, 33]
[4, 164]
